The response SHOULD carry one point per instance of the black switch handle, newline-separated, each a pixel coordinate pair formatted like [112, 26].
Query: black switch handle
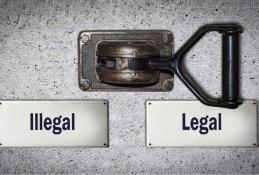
[230, 65]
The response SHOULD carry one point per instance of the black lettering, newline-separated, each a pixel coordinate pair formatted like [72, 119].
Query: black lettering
[66, 124]
[31, 121]
[203, 122]
[219, 121]
[194, 123]
[47, 123]
[36, 121]
[56, 122]
[213, 123]
[40, 121]
[184, 126]
[73, 121]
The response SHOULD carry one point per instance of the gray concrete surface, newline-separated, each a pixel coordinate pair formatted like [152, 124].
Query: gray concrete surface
[38, 60]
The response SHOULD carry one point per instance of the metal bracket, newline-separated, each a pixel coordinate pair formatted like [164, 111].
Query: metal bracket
[88, 41]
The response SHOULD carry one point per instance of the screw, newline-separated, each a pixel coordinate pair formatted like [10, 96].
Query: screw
[86, 85]
[168, 84]
[85, 38]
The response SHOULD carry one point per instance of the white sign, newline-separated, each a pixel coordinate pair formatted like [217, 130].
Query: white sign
[53, 123]
[193, 124]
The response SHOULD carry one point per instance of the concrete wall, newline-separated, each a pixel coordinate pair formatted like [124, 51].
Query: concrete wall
[38, 60]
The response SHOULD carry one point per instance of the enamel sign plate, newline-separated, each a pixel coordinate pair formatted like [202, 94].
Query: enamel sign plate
[53, 123]
[192, 124]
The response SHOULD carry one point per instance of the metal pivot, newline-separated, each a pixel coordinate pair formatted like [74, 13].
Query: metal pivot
[230, 65]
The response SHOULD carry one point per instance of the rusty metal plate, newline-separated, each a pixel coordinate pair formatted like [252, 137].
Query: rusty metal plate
[87, 44]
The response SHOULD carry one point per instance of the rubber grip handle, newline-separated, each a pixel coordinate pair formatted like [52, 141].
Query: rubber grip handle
[230, 67]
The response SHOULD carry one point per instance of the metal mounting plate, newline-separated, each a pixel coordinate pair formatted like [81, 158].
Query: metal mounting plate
[88, 41]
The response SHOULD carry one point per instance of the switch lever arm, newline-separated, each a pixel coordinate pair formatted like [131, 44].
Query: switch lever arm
[230, 65]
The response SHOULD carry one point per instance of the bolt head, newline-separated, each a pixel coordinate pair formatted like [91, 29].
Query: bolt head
[85, 38]
[86, 85]
[168, 84]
